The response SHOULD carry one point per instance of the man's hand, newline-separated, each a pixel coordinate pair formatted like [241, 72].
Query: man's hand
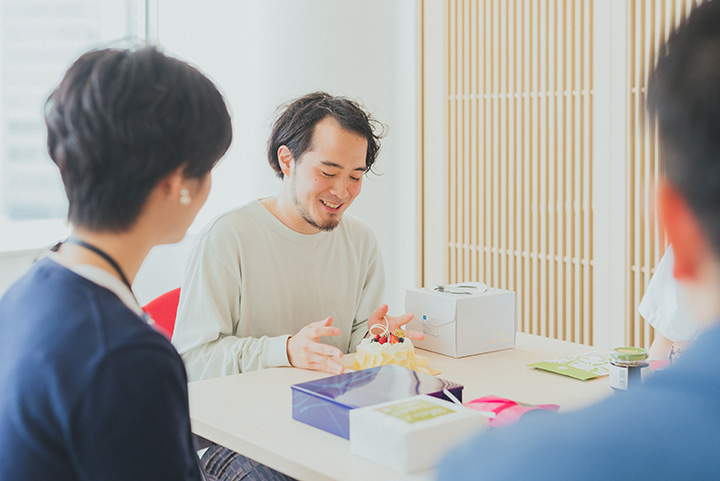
[304, 350]
[380, 314]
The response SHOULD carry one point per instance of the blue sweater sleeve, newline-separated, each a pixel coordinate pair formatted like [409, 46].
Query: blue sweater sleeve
[133, 421]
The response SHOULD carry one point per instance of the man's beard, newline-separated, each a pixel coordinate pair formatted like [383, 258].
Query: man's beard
[326, 226]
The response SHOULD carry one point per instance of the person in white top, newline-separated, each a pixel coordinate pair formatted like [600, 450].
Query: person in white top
[664, 307]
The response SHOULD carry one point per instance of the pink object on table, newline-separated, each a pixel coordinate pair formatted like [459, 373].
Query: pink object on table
[506, 411]
[657, 364]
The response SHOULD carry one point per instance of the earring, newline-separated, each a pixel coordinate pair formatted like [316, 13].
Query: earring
[185, 196]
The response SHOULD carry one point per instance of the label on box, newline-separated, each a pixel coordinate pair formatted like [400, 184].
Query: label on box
[415, 410]
[431, 326]
[411, 434]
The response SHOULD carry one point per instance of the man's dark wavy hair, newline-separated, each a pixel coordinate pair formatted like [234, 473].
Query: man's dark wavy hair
[296, 123]
[123, 119]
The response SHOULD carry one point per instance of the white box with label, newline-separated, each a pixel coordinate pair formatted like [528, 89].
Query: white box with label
[411, 434]
[462, 319]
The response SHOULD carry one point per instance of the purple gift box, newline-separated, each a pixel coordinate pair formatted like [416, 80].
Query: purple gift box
[326, 403]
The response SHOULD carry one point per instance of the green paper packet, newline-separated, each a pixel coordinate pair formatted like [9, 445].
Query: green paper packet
[583, 366]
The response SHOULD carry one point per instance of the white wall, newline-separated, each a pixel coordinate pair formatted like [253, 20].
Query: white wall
[262, 54]
[13, 266]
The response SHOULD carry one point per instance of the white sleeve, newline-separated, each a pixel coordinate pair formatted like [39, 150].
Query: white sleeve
[209, 312]
[663, 305]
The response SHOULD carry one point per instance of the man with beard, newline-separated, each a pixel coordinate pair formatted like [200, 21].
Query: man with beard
[266, 281]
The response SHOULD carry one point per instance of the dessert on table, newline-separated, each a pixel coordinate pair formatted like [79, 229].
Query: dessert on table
[384, 347]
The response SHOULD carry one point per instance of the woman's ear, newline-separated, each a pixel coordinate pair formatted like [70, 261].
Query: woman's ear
[285, 157]
[684, 231]
[172, 185]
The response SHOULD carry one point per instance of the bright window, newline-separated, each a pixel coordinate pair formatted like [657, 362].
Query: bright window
[39, 39]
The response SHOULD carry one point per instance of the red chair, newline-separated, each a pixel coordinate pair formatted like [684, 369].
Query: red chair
[163, 310]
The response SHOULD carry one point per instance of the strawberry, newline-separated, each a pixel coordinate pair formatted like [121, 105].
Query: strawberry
[382, 340]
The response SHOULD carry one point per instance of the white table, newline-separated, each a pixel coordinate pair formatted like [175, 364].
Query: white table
[251, 413]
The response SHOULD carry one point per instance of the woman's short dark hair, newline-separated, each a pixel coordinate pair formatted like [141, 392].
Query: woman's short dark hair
[120, 121]
[296, 123]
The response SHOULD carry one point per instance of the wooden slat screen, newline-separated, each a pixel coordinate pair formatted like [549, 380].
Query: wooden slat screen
[520, 157]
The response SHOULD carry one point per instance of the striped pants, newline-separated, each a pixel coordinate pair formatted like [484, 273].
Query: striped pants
[222, 464]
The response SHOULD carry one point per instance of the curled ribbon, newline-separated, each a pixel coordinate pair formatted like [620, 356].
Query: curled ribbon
[384, 330]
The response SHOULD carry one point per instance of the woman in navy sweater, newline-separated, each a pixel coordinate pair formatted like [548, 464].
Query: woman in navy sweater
[90, 391]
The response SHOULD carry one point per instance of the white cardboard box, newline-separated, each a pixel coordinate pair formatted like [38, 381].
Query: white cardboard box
[462, 321]
[411, 434]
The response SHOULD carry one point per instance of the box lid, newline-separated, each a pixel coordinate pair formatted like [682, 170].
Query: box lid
[375, 385]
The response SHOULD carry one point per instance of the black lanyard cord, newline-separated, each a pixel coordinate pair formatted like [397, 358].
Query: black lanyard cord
[104, 255]
[111, 261]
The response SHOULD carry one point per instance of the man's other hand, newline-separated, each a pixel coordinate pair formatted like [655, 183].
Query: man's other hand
[304, 350]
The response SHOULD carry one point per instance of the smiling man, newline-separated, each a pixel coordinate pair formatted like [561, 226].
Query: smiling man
[325, 183]
[266, 281]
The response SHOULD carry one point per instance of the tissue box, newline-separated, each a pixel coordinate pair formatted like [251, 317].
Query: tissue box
[326, 403]
[461, 321]
[411, 434]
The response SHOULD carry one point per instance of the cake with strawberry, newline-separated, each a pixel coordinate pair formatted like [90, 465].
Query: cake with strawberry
[387, 347]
